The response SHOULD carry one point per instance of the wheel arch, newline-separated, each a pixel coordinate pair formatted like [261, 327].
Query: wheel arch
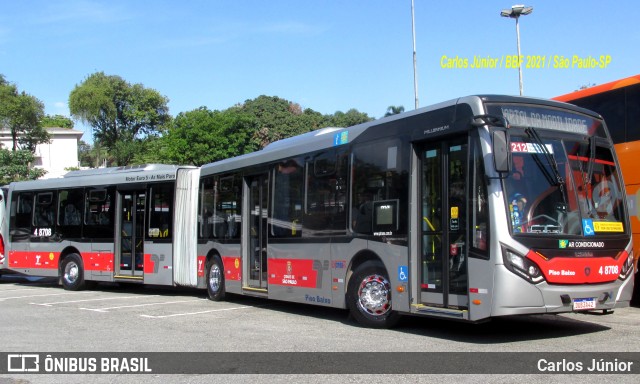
[69, 250]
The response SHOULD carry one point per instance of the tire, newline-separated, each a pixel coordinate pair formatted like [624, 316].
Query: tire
[72, 273]
[369, 297]
[215, 279]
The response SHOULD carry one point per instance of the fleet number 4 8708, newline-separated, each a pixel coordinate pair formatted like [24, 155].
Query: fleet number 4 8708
[42, 232]
[609, 270]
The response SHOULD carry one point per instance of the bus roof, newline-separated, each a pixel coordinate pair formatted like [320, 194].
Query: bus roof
[325, 138]
[599, 89]
[105, 176]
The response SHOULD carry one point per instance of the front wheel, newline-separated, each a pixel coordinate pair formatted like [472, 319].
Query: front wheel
[369, 297]
[72, 273]
[215, 279]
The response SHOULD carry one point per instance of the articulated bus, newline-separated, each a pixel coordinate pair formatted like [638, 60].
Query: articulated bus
[478, 207]
[3, 224]
[104, 225]
[619, 104]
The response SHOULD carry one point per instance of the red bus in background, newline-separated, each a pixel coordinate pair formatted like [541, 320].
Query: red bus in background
[619, 104]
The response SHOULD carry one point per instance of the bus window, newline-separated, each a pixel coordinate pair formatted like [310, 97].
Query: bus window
[69, 207]
[21, 212]
[376, 176]
[45, 210]
[160, 217]
[206, 206]
[161, 211]
[287, 199]
[69, 212]
[479, 206]
[98, 212]
[228, 204]
[326, 195]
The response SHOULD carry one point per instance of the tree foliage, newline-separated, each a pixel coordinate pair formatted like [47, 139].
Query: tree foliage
[57, 121]
[22, 114]
[202, 136]
[394, 110]
[15, 166]
[121, 115]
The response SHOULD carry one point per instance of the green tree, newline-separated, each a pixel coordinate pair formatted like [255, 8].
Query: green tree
[350, 118]
[394, 110]
[22, 113]
[202, 136]
[15, 166]
[121, 115]
[57, 121]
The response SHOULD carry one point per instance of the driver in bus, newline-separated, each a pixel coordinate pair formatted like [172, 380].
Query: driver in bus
[517, 200]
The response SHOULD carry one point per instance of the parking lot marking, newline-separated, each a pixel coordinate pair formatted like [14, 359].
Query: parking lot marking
[19, 289]
[30, 296]
[194, 313]
[139, 305]
[81, 301]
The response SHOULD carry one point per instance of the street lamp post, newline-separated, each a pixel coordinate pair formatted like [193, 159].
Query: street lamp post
[514, 13]
[415, 70]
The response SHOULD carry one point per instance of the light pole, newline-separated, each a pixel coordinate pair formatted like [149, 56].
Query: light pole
[415, 71]
[515, 12]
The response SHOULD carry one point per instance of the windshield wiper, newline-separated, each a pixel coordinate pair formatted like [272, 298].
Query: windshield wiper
[559, 180]
[592, 157]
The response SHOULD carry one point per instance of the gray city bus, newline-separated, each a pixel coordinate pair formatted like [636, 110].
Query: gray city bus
[477, 207]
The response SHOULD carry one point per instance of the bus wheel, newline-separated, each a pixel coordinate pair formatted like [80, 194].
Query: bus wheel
[369, 297]
[215, 279]
[72, 273]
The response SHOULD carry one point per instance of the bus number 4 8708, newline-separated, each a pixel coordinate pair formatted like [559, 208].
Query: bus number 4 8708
[609, 270]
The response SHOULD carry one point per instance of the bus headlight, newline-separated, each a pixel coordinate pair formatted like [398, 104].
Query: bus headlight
[521, 266]
[627, 267]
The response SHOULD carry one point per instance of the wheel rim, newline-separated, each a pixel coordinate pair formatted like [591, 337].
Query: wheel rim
[71, 271]
[374, 295]
[214, 278]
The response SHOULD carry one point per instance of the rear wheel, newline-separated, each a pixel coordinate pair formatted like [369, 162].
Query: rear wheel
[72, 273]
[369, 297]
[215, 279]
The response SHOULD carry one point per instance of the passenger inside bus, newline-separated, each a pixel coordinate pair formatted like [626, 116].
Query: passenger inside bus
[363, 213]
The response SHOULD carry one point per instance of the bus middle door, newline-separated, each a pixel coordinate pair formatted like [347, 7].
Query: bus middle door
[130, 247]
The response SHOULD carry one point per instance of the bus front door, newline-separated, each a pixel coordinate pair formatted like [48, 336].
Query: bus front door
[442, 237]
[130, 255]
[258, 205]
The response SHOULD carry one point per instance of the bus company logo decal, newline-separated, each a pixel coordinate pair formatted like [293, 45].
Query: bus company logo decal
[435, 130]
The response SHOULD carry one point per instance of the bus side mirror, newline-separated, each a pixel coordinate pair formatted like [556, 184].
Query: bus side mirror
[501, 152]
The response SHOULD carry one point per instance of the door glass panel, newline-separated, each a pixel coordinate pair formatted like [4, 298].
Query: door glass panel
[258, 203]
[458, 248]
[431, 220]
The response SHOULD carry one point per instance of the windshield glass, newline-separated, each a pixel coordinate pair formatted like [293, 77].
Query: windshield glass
[562, 187]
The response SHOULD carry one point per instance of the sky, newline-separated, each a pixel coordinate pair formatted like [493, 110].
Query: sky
[327, 55]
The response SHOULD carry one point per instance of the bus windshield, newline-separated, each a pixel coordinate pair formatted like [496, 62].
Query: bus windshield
[562, 187]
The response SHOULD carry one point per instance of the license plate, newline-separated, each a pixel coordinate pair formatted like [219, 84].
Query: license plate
[582, 304]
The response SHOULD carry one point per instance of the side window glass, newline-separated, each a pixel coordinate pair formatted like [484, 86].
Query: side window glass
[70, 207]
[326, 197]
[287, 199]
[160, 211]
[227, 208]
[99, 207]
[45, 210]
